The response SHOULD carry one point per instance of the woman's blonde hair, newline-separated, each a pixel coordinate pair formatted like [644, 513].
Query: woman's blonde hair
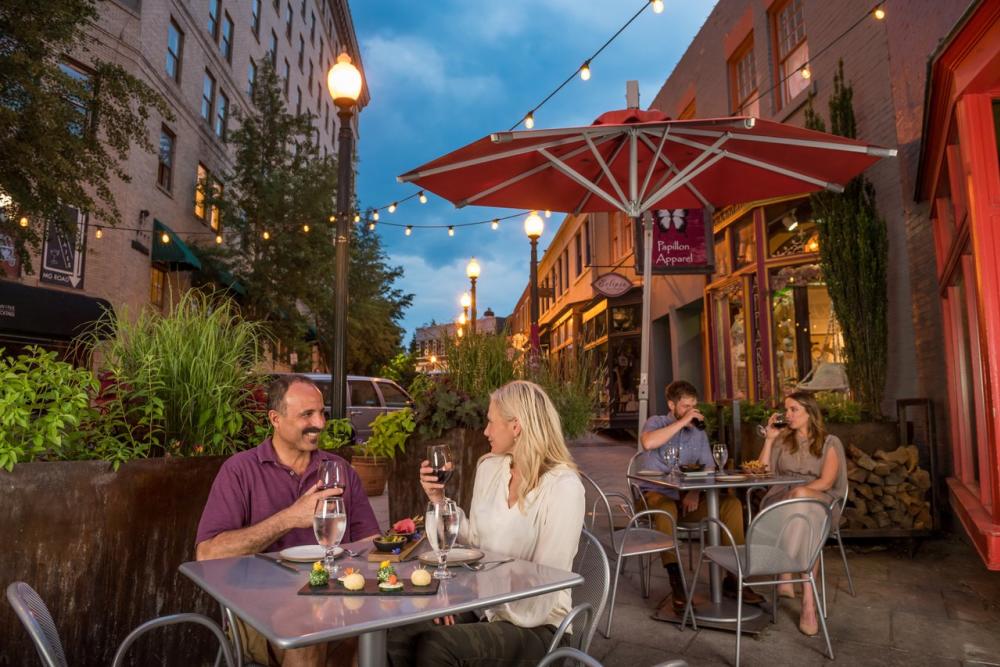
[541, 445]
[817, 430]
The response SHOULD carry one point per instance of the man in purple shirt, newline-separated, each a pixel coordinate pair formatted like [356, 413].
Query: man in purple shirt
[263, 498]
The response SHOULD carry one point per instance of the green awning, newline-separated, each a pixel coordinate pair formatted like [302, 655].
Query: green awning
[230, 281]
[177, 254]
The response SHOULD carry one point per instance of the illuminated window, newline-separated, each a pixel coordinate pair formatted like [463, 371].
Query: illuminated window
[199, 191]
[792, 49]
[157, 278]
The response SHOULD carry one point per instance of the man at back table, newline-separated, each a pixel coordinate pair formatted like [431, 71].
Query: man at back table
[677, 429]
[263, 499]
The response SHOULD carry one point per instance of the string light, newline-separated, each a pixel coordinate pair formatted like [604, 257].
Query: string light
[409, 229]
[266, 235]
[371, 225]
[23, 222]
[305, 228]
[98, 233]
[333, 218]
[357, 217]
[495, 224]
[422, 197]
[529, 120]
[585, 71]
[218, 239]
[392, 207]
[657, 6]
[879, 13]
[165, 238]
[375, 215]
[451, 230]
[805, 72]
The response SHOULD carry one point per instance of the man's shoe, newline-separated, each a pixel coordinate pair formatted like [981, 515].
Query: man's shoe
[729, 589]
[677, 587]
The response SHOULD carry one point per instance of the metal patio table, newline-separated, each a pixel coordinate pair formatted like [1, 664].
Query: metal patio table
[266, 597]
[715, 611]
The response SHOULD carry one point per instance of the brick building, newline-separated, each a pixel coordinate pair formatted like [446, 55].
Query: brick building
[202, 57]
[431, 341]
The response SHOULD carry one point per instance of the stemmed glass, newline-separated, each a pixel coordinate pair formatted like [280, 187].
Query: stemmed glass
[720, 453]
[779, 423]
[329, 525]
[671, 457]
[441, 523]
[331, 476]
[440, 459]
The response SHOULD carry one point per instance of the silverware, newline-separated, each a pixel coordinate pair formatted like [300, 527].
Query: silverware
[485, 565]
[356, 554]
[277, 561]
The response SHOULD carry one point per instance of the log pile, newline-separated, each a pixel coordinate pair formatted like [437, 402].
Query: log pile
[888, 490]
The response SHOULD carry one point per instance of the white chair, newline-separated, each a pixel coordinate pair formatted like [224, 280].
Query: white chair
[37, 620]
[785, 537]
[637, 539]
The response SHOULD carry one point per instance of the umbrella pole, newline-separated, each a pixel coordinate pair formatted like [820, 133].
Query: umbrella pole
[647, 297]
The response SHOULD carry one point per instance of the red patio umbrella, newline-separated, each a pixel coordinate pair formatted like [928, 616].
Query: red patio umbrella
[635, 161]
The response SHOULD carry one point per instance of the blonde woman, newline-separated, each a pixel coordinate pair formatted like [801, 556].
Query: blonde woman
[527, 503]
[804, 448]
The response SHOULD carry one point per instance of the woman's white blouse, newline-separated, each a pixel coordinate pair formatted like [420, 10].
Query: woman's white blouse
[547, 533]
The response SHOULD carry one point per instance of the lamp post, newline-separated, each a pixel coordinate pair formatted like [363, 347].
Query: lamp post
[472, 271]
[344, 82]
[533, 227]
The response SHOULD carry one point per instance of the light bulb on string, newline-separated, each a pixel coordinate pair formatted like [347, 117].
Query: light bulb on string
[305, 228]
[806, 73]
[409, 230]
[371, 226]
[879, 13]
[333, 218]
[218, 239]
[529, 120]
[98, 233]
[23, 222]
[451, 231]
[422, 197]
[266, 235]
[657, 6]
[357, 217]
[392, 207]
[495, 224]
[375, 215]
[165, 238]
[585, 71]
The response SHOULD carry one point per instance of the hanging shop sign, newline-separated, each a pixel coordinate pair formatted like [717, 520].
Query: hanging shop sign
[682, 242]
[611, 285]
[63, 251]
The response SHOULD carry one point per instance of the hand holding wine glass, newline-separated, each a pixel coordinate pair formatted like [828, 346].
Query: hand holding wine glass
[329, 525]
[331, 475]
[442, 523]
[775, 423]
[441, 462]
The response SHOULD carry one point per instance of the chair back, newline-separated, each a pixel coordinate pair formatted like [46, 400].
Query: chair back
[37, 620]
[786, 537]
[570, 656]
[591, 563]
[598, 509]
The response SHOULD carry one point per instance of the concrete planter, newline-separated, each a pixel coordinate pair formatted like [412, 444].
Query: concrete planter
[102, 549]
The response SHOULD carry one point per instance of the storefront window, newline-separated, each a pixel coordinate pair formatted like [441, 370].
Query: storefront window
[730, 323]
[625, 318]
[743, 237]
[791, 229]
[624, 376]
[723, 267]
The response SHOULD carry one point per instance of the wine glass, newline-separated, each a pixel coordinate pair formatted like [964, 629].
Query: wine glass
[441, 523]
[440, 459]
[720, 453]
[329, 524]
[671, 457]
[779, 423]
[331, 475]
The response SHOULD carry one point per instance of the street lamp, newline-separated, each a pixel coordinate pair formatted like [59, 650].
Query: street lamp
[472, 270]
[344, 82]
[465, 302]
[533, 227]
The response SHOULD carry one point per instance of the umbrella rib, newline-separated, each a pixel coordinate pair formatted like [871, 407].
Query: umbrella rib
[682, 175]
[803, 143]
[672, 169]
[657, 152]
[680, 181]
[614, 156]
[604, 167]
[582, 180]
[523, 175]
[834, 187]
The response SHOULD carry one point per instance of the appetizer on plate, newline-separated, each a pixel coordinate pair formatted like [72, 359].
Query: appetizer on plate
[387, 579]
[420, 577]
[318, 576]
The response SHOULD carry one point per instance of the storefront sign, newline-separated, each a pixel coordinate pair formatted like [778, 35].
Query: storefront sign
[682, 242]
[612, 285]
[10, 264]
[63, 252]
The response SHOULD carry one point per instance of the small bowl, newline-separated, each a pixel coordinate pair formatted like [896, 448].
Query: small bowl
[692, 467]
[389, 543]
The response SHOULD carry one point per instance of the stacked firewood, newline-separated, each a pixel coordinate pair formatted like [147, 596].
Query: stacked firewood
[888, 490]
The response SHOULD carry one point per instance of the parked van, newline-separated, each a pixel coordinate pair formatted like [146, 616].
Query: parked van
[367, 398]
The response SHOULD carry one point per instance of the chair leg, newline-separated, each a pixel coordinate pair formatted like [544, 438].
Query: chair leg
[821, 599]
[774, 605]
[843, 555]
[690, 553]
[739, 615]
[614, 593]
[689, 607]
[822, 621]
[648, 560]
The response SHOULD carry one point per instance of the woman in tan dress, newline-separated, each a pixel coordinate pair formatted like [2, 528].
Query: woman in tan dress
[804, 448]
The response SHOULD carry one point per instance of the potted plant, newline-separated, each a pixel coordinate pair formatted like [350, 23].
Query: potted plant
[389, 434]
[336, 435]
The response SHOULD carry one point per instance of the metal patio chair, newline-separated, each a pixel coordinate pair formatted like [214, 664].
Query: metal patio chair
[37, 620]
[785, 537]
[568, 655]
[637, 539]
[836, 510]
[590, 598]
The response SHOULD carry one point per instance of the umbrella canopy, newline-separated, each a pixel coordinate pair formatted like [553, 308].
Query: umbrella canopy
[634, 161]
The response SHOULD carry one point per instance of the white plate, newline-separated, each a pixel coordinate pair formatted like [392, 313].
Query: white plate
[651, 473]
[698, 473]
[307, 553]
[731, 478]
[456, 556]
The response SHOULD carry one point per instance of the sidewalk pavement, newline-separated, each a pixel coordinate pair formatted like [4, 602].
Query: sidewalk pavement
[941, 607]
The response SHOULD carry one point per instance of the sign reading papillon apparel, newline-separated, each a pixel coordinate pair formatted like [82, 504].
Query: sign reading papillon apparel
[682, 242]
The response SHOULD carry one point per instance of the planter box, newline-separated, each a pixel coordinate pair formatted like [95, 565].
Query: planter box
[407, 497]
[102, 549]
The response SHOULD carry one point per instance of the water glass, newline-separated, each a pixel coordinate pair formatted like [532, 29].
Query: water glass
[329, 525]
[441, 461]
[720, 453]
[671, 456]
[331, 475]
[441, 523]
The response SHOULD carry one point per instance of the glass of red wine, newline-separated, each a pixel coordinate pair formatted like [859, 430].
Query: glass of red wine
[441, 462]
[331, 476]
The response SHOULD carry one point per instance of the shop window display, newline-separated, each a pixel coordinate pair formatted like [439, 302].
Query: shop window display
[723, 265]
[743, 238]
[791, 229]
[730, 332]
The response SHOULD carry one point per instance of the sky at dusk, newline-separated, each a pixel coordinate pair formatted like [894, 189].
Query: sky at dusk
[443, 73]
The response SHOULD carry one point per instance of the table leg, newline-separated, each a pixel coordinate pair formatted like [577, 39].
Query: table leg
[372, 649]
[715, 583]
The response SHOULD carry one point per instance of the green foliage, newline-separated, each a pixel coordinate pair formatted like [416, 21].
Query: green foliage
[574, 389]
[402, 368]
[197, 364]
[438, 407]
[838, 408]
[389, 434]
[64, 139]
[479, 363]
[854, 256]
[338, 433]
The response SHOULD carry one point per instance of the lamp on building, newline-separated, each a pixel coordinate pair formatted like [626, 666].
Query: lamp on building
[344, 81]
[472, 270]
[533, 227]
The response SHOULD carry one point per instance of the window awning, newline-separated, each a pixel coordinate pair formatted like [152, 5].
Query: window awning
[36, 311]
[176, 254]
